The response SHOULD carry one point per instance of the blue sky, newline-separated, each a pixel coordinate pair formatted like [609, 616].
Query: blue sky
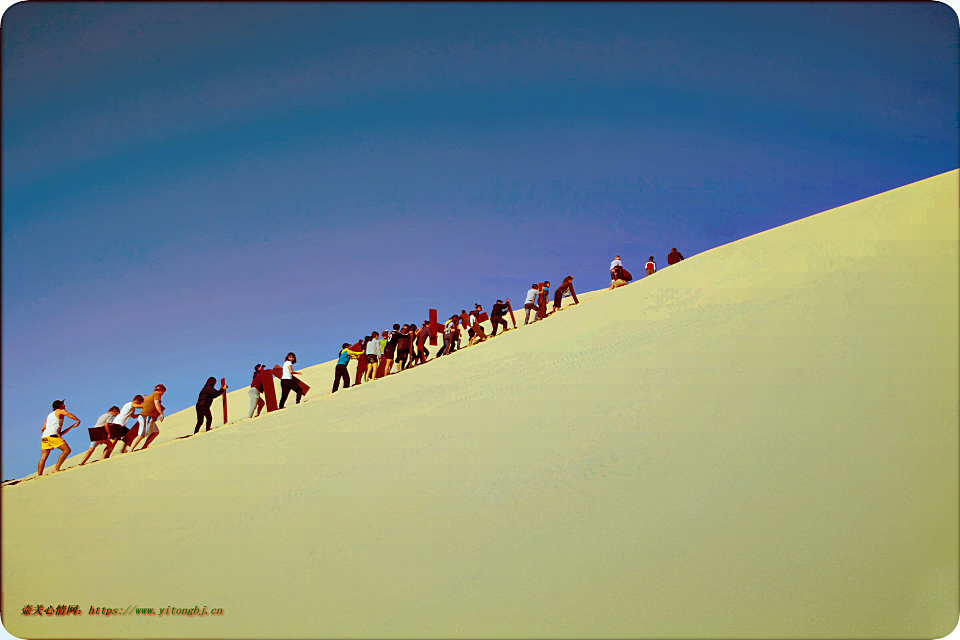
[190, 189]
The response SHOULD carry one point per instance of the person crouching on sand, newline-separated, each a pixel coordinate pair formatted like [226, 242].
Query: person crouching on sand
[256, 388]
[103, 421]
[205, 401]
[51, 436]
[562, 290]
[651, 266]
[615, 267]
[151, 413]
[373, 356]
[287, 382]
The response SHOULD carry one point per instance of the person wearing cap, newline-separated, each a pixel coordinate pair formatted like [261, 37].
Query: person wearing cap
[106, 421]
[496, 316]
[651, 266]
[150, 414]
[256, 388]
[341, 369]
[479, 335]
[287, 382]
[205, 401]
[51, 435]
[674, 257]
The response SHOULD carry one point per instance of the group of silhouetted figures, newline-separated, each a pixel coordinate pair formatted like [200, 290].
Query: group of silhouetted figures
[378, 355]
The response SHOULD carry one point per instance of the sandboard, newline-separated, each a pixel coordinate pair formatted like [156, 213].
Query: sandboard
[98, 433]
[542, 302]
[278, 372]
[361, 361]
[115, 431]
[132, 434]
[224, 396]
[433, 327]
[512, 319]
[381, 367]
[269, 391]
[573, 294]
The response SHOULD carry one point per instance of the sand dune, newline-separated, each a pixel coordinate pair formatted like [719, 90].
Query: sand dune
[760, 441]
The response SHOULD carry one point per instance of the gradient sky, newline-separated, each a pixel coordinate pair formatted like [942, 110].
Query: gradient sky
[191, 189]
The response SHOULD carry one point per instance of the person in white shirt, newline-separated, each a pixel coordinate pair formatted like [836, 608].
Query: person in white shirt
[530, 304]
[127, 412]
[51, 435]
[103, 421]
[287, 382]
[615, 267]
[373, 356]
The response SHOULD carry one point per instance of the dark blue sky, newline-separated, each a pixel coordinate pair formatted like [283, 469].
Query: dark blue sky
[190, 189]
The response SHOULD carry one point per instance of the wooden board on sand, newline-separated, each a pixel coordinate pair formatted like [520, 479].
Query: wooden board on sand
[278, 372]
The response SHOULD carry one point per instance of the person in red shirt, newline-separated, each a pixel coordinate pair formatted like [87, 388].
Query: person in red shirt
[651, 266]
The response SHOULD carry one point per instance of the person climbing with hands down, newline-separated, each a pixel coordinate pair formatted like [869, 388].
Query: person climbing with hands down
[51, 435]
[674, 257]
[205, 401]
[651, 266]
[341, 369]
[287, 382]
[564, 288]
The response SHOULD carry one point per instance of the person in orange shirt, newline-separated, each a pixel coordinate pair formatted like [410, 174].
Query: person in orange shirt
[150, 414]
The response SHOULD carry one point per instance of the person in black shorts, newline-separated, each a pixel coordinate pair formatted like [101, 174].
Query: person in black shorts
[403, 347]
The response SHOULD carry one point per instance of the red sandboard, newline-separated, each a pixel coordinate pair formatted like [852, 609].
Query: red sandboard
[626, 274]
[132, 433]
[573, 294]
[483, 317]
[381, 368]
[98, 433]
[542, 303]
[433, 327]
[224, 396]
[361, 361]
[278, 372]
[512, 319]
[269, 391]
[115, 431]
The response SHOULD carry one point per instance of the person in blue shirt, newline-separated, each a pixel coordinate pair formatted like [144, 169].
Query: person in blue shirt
[341, 371]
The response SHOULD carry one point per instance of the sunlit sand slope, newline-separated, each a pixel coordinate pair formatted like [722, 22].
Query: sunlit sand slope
[760, 441]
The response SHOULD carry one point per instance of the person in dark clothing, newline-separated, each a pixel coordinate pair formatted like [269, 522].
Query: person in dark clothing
[207, 394]
[496, 316]
[403, 347]
[341, 369]
[674, 257]
[256, 388]
[564, 287]
[390, 349]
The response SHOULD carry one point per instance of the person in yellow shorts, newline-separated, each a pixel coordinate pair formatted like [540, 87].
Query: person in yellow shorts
[52, 434]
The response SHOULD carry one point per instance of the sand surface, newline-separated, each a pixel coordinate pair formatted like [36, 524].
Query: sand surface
[760, 441]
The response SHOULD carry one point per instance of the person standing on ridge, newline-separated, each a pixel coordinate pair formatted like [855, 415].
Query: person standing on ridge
[496, 316]
[150, 414]
[205, 401]
[103, 421]
[373, 356]
[341, 369]
[51, 436]
[256, 388]
[674, 257]
[530, 304]
[651, 266]
[287, 382]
